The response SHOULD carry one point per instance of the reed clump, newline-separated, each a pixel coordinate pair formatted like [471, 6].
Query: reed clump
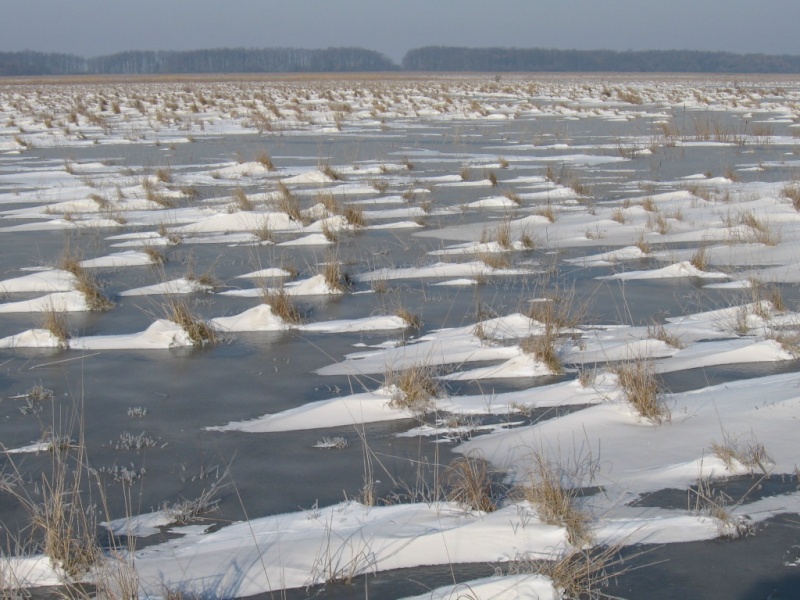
[469, 483]
[642, 389]
[200, 332]
[282, 305]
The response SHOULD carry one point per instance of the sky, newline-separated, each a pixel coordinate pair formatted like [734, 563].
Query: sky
[96, 27]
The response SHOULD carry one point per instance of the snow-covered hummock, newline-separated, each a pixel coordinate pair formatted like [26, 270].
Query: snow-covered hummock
[160, 335]
[181, 285]
[367, 407]
[33, 338]
[438, 270]
[30, 571]
[512, 587]
[258, 318]
[522, 365]
[55, 280]
[313, 286]
[260, 555]
[129, 258]
[58, 302]
[641, 457]
[447, 346]
[681, 269]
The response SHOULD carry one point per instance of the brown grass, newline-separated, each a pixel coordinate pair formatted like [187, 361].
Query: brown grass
[56, 323]
[156, 256]
[413, 320]
[547, 212]
[282, 305]
[558, 309]
[85, 283]
[416, 387]
[327, 170]
[543, 348]
[751, 455]
[699, 259]
[582, 573]
[61, 520]
[288, 203]
[155, 196]
[659, 332]
[495, 260]
[336, 277]
[468, 482]
[265, 160]
[199, 331]
[355, 216]
[792, 192]
[642, 389]
[513, 196]
[642, 244]
[550, 492]
[241, 202]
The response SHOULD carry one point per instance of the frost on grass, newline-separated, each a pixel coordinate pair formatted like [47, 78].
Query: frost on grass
[329, 443]
[413, 388]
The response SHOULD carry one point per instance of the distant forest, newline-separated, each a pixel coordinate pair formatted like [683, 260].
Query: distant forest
[431, 58]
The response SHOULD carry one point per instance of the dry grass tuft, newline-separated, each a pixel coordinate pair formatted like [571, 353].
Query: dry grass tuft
[582, 573]
[556, 503]
[355, 216]
[263, 231]
[771, 293]
[282, 305]
[642, 389]
[327, 170]
[336, 277]
[513, 196]
[751, 455]
[699, 259]
[558, 309]
[380, 185]
[468, 481]
[199, 331]
[156, 256]
[495, 260]
[288, 203]
[659, 332]
[62, 521]
[85, 283]
[56, 323]
[714, 503]
[413, 320]
[266, 161]
[241, 202]
[792, 192]
[415, 388]
[547, 212]
[543, 348]
[155, 196]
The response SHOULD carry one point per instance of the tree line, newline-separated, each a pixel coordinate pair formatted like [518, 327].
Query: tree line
[441, 58]
[431, 58]
[218, 60]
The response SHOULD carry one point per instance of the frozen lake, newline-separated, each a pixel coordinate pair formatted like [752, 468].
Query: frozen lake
[515, 248]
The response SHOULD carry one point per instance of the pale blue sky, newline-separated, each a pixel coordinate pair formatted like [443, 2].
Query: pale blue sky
[92, 27]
